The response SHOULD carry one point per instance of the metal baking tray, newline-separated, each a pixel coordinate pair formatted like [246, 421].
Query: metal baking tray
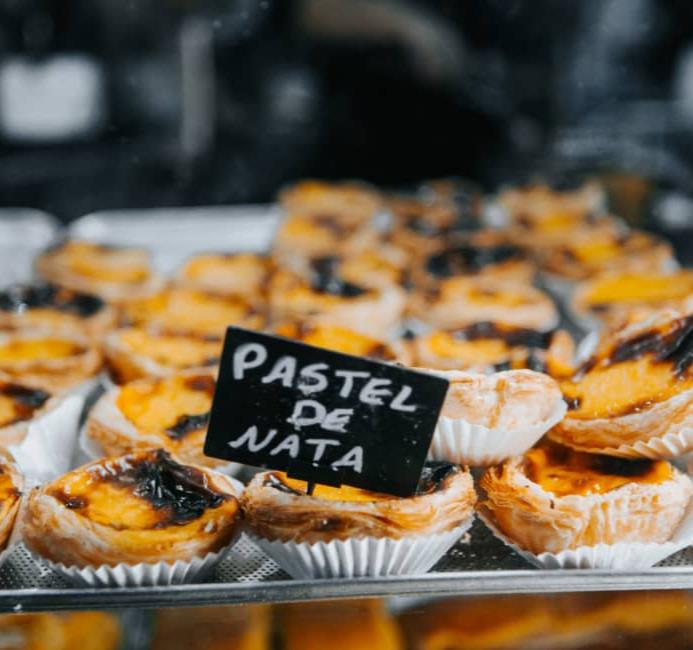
[479, 564]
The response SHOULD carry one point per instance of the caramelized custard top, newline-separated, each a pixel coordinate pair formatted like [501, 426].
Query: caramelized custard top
[19, 403]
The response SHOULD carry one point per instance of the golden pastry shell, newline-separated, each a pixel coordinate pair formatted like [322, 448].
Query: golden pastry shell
[539, 521]
[274, 514]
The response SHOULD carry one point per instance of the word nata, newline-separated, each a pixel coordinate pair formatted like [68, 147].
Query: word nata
[291, 445]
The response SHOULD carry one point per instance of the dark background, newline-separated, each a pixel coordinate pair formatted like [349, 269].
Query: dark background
[211, 102]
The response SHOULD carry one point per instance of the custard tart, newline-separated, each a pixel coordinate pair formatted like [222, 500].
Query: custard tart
[491, 347]
[113, 273]
[340, 339]
[187, 311]
[56, 310]
[135, 352]
[460, 301]
[310, 237]
[345, 202]
[241, 274]
[19, 405]
[170, 413]
[328, 299]
[613, 297]
[587, 254]
[52, 362]
[553, 499]
[486, 253]
[634, 395]
[277, 508]
[143, 507]
[11, 486]
[488, 418]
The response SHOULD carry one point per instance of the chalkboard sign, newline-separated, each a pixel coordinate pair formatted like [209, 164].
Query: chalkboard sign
[322, 416]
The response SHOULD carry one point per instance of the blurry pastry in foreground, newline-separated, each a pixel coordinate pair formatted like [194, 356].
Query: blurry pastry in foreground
[488, 418]
[595, 621]
[611, 298]
[340, 339]
[368, 533]
[54, 363]
[220, 627]
[461, 301]
[110, 272]
[345, 202]
[328, 299]
[167, 412]
[339, 625]
[241, 274]
[491, 347]
[634, 396]
[143, 507]
[135, 352]
[186, 311]
[91, 630]
[553, 499]
[56, 310]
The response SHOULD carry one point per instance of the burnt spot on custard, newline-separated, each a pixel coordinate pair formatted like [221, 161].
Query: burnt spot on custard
[621, 466]
[26, 400]
[325, 278]
[573, 403]
[20, 298]
[674, 346]
[513, 336]
[180, 493]
[187, 424]
[70, 501]
[468, 259]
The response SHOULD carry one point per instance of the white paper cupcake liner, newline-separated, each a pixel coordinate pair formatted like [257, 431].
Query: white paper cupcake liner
[619, 557]
[458, 441]
[667, 446]
[361, 557]
[48, 447]
[140, 575]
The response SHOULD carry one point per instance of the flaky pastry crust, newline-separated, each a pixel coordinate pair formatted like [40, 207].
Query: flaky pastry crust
[541, 522]
[130, 509]
[294, 516]
[11, 486]
[82, 361]
[179, 432]
[637, 386]
[503, 400]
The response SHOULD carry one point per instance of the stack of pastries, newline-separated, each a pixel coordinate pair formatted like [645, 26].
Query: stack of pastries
[576, 444]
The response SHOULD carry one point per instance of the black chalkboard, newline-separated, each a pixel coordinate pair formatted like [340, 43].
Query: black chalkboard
[322, 416]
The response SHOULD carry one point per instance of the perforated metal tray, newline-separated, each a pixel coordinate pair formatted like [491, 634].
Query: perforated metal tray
[479, 564]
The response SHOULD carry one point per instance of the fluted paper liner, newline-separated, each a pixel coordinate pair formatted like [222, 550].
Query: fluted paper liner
[667, 446]
[48, 447]
[624, 556]
[140, 575]
[362, 557]
[458, 441]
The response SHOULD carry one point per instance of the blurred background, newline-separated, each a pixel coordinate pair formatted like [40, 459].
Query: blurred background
[107, 104]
